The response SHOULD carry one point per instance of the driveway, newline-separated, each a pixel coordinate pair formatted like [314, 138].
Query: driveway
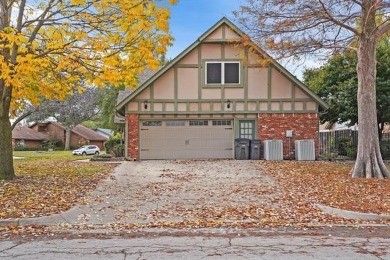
[174, 191]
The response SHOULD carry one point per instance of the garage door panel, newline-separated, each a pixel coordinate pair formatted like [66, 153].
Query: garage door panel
[186, 142]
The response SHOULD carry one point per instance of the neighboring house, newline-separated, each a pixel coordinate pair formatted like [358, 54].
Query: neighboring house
[81, 135]
[215, 91]
[54, 131]
[25, 137]
[327, 126]
[386, 128]
[107, 133]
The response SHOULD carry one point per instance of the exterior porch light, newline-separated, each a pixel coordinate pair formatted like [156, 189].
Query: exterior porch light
[228, 103]
[145, 104]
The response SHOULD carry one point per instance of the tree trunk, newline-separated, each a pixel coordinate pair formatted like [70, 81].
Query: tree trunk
[6, 159]
[369, 163]
[67, 138]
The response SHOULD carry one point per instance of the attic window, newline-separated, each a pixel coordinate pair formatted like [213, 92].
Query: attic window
[223, 72]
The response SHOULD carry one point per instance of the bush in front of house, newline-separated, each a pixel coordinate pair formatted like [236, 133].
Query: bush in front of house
[345, 147]
[385, 149]
[115, 146]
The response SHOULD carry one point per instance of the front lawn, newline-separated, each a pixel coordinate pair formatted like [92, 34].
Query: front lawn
[48, 183]
[329, 183]
[44, 155]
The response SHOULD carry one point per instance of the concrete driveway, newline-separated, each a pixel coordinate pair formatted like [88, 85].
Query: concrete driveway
[165, 191]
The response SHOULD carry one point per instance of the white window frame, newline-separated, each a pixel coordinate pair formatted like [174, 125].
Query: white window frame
[223, 73]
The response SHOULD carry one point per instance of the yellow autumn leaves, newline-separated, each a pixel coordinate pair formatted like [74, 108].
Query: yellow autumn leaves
[95, 42]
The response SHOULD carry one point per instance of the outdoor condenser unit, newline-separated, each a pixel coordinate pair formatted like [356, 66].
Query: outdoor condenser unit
[273, 150]
[304, 150]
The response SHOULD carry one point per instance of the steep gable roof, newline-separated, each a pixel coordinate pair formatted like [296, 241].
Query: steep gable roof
[227, 22]
[123, 94]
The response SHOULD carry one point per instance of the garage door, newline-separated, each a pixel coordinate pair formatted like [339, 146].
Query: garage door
[186, 139]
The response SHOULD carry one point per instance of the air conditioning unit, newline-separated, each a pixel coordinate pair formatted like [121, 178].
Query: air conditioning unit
[273, 150]
[304, 150]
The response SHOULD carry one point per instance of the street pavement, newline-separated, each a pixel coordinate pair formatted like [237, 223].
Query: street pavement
[200, 247]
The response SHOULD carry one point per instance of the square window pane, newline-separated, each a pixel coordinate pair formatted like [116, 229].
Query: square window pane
[213, 73]
[232, 73]
[151, 123]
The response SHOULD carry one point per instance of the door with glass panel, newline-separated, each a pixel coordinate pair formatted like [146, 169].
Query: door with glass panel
[247, 129]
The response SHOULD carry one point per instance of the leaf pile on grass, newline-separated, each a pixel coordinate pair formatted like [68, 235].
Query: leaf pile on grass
[46, 187]
[329, 183]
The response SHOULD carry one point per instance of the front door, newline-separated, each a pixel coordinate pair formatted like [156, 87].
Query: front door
[247, 129]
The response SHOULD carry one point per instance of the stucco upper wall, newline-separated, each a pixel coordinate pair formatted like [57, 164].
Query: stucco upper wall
[190, 58]
[258, 83]
[164, 86]
[211, 51]
[233, 51]
[217, 34]
[223, 33]
[230, 34]
[187, 83]
[281, 86]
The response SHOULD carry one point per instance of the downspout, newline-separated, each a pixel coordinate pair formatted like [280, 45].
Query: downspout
[126, 131]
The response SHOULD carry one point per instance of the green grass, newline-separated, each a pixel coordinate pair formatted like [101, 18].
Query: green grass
[42, 155]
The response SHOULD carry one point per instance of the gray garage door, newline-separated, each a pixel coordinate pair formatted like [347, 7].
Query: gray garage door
[186, 139]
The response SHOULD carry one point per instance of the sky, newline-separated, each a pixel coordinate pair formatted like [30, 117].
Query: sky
[191, 18]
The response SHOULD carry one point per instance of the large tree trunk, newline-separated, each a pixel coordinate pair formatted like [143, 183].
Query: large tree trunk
[67, 138]
[6, 160]
[369, 163]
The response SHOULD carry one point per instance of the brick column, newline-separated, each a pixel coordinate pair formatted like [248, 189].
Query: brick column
[133, 136]
[274, 126]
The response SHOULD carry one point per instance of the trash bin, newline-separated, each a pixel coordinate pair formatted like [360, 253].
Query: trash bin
[255, 150]
[241, 148]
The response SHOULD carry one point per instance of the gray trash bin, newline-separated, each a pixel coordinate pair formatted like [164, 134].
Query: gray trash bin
[255, 150]
[241, 148]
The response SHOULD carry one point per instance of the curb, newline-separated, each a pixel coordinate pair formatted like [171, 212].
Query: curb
[73, 212]
[45, 220]
[352, 214]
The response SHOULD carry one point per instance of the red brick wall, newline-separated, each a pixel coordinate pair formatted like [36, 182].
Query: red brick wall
[274, 126]
[27, 143]
[133, 136]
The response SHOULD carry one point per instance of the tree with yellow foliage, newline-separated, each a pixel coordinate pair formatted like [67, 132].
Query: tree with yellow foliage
[48, 47]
